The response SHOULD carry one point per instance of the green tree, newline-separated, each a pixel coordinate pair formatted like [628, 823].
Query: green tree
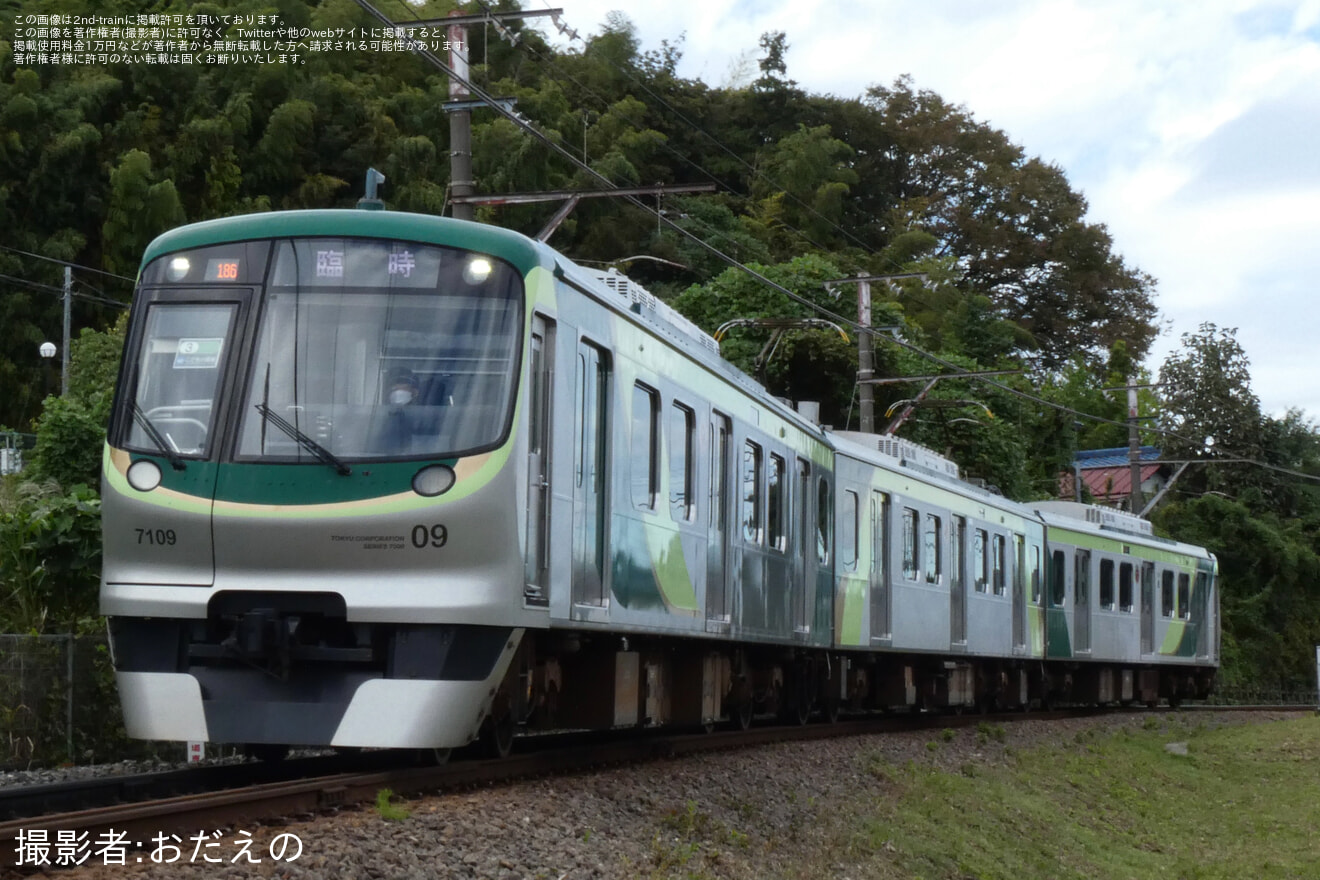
[1207, 399]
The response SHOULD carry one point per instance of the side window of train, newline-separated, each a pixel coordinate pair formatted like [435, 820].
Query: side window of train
[1058, 573]
[1184, 594]
[752, 465]
[1107, 584]
[999, 562]
[930, 544]
[645, 439]
[1125, 587]
[848, 531]
[823, 513]
[682, 437]
[776, 490]
[1082, 578]
[980, 561]
[910, 538]
[1166, 593]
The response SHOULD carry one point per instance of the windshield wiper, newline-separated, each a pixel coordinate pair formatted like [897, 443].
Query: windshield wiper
[316, 449]
[176, 461]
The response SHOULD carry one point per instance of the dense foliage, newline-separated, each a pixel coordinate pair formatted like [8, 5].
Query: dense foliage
[96, 161]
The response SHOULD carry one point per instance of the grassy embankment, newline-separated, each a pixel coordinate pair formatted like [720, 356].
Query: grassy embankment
[1242, 802]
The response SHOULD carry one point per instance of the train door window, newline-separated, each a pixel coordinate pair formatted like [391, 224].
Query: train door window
[879, 535]
[1058, 573]
[823, 514]
[999, 561]
[980, 562]
[1020, 568]
[1082, 578]
[645, 439]
[1035, 575]
[1125, 587]
[930, 548]
[1184, 595]
[848, 531]
[957, 551]
[752, 465]
[1107, 584]
[1166, 593]
[910, 538]
[776, 489]
[682, 436]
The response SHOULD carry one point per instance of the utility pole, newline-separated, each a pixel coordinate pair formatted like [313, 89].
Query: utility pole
[459, 108]
[865, 357]
[64, 352]
[460, 124]
[865, 352]
[1135, 495]
[1134, 453]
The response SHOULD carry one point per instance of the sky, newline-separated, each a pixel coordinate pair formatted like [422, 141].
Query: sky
[1192, 127]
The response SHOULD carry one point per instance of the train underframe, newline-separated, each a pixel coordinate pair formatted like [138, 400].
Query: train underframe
[593, 680]
[268, 675]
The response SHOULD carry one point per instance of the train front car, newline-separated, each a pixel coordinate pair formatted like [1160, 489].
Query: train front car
[309, 490]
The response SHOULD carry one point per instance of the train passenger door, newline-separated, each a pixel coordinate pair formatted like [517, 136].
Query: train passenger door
[802, 564]
[589, 486]
[1200, 614]
[718, 588]
[879, 575]
[1147, 607]
[1082, 601]
[539, 394]
[958, 582]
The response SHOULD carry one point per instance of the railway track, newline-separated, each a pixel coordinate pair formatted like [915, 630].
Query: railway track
[238, 796]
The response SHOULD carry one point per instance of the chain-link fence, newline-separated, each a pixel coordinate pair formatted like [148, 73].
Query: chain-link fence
[57, 700]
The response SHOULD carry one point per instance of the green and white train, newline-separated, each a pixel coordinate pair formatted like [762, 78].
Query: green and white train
[382, 479]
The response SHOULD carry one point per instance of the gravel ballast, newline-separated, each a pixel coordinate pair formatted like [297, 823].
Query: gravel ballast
[746, 815]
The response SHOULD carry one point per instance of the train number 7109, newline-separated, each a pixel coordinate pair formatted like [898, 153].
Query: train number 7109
[156, 537]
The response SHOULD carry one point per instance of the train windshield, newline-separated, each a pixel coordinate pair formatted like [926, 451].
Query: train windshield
[376, 349]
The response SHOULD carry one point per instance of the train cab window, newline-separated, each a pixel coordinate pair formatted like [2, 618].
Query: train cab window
[776, 490]
[1166, 593]
[980, 560]
[1058, 574]
[177, 379]
[752, 465]
[823, 512]
[682, 435]
[1082, 578]
[645, 418]
[375, 350]
[910, 549]
[1184, 594]
[848, 530]
[930, 548]
[1107, 584]
[1000, 562]
[1125, 587]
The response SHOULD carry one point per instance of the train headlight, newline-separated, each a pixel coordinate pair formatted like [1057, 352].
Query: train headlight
[178, 269]
[432, 480]
[143, 475]
[477, 270]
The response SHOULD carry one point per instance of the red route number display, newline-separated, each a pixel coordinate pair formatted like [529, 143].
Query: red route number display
[222, 270]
